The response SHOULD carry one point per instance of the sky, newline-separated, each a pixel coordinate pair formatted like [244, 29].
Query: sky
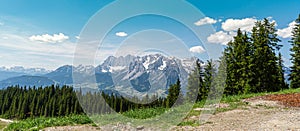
[48, 33]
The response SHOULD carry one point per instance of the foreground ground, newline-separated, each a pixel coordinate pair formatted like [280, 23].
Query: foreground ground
[271, 112]
[267, 112]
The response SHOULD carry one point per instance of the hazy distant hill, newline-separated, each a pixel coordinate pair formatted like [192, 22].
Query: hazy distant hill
[6, 73]
[27, 81]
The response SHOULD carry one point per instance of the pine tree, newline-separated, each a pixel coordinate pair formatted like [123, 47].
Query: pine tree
[281, 79]
[295, 69]
[230, 69]
[244, 54]
[237, 56]
[32, 106]
[174, 92]
[209, 74]
[264, 59]
[219, 81]
[195, 82]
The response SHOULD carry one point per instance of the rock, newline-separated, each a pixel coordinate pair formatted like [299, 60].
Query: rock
[219, 105]
[203, 109]
[140, 128]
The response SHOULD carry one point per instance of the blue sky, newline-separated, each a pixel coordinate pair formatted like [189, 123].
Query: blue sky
[36, 33]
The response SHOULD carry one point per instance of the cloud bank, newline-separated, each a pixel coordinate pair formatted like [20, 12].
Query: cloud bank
[121, 34]
[286, 32]
[46, 38]
[245, 24]
[197, 49]
[220, 37]
[205, 21]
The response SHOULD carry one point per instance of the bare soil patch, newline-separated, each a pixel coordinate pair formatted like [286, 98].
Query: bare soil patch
[288, 100]
[73, 128]
[270, 112]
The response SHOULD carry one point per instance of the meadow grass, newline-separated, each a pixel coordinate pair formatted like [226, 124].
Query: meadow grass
[144, 113]
[43, 122]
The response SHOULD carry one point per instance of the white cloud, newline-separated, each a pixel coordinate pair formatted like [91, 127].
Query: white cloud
[286, 32]
[244, 24]
[220, 37]
[205, 20]
[271, 20]
[77, 37]
[197, 49]
[33, 54]
[26, 46]
[1, 23]
[46, 38]
[121, 34]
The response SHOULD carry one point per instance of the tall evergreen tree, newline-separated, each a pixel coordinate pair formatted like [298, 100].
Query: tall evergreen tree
[174, 92]
[209, 74]
[295, 69]
[281, 79]
[264, 59]
[237, 56]
[195, 82]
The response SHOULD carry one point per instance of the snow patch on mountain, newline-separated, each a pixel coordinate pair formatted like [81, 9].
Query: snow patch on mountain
[148, 62]
[163, 66]
[87, 69]
[104, 71]
[116, 68]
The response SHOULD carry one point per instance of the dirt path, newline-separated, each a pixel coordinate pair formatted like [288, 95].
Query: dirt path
[6, 120]
[258, 117]
[4, 123]
[261, 113]
[73, 128]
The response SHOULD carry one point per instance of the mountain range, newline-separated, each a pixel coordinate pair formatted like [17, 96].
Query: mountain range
[124, 74]
[127, 74]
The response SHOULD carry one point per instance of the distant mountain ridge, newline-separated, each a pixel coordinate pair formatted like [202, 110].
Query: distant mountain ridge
[141, 73]
[125, 74]
[15, 71]
[26, 80]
